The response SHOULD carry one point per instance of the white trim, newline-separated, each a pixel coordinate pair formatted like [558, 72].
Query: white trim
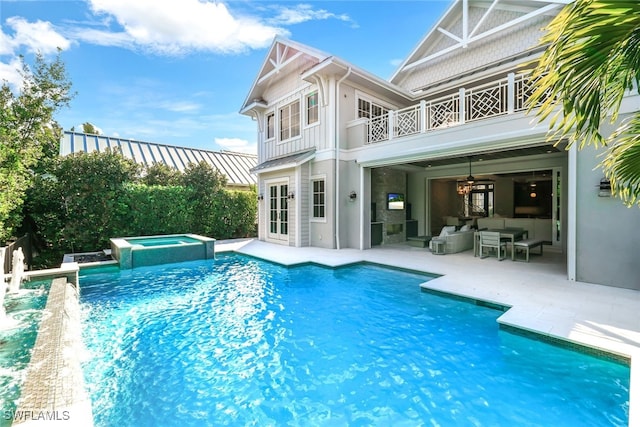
[279, 120]
[320, 177]
[266, 126]
[305, 97]
[275, 181]
[572, 226]
[471, 37]
[365, 96]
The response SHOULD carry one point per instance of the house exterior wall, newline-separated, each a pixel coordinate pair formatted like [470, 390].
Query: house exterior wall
[291, 178]
[312, 136]
[603, 253]
[607, 232]
[322, 231]
[487, 51]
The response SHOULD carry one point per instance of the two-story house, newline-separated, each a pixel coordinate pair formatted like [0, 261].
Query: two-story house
[349, 160]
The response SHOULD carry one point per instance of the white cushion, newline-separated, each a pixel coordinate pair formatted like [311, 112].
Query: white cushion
[447, 230]
[465, 228]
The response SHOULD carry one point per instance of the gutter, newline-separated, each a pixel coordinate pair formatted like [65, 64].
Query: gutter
[336, 131]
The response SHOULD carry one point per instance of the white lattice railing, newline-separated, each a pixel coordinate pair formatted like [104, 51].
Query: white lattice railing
[493, 99]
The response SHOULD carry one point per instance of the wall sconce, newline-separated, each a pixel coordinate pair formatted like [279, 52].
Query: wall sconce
[352, 196]
[604, 188]
[260, 196]
[291, 195]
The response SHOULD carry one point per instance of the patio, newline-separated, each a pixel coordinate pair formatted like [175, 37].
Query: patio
[542, 299]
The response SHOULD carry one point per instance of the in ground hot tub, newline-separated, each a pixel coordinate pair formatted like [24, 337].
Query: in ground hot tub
[131, 252]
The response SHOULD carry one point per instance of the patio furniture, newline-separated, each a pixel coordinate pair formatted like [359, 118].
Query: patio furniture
[438, 246]
[455, 241]
[419, 241]
[492, 240]
[526, 245]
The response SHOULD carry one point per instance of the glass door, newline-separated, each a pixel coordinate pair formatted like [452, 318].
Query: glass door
[278, 211]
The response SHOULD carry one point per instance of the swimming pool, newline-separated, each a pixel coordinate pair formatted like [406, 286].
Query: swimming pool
[17, 337]
[239, 341]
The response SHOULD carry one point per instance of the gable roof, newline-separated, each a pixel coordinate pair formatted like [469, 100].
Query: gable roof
[235, 166]
[285, 54]
[454, 31]
[282, 54]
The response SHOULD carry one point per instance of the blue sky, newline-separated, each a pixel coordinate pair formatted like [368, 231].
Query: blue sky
[177, 71]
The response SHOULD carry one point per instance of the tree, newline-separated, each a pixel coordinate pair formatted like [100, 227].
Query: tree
[28, 132]
[592, 61]
[90, 128]
[161, 174]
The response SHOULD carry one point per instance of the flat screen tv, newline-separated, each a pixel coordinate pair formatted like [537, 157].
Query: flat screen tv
[395, 201]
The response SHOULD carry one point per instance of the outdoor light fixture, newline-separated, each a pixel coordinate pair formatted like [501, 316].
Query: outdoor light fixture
[260, 196]
[291, 195]
[352, 196]
[604, 188]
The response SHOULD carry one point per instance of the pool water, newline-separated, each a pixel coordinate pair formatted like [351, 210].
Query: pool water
[17, 336]
[238, 341]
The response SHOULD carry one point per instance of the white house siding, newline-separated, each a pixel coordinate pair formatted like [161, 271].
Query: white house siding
[490, 50]
[310, 136]
[607, 232]
[305, 204]
[322, 232]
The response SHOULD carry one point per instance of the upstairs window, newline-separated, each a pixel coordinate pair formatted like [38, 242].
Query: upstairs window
[370, 109]
[312, 108]
[290, 121]
[271, 126]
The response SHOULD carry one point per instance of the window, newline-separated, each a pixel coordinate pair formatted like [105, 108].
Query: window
[290, 121]
[271, 125]
[480, 201]
[312, 108]
[370, 109]
[318, 198]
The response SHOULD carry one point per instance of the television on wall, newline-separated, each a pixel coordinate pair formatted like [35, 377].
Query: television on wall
[395, 201]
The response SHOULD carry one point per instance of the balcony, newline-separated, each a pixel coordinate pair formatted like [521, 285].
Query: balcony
[497, 98]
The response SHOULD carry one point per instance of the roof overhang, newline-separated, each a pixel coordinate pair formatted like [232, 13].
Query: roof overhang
[286, 162]
[334, 66]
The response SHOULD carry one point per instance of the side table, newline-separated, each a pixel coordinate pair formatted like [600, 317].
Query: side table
[438, 246]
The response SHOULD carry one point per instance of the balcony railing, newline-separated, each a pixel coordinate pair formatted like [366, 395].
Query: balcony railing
[493, 99]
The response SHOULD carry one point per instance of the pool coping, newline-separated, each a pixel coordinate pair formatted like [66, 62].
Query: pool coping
[54, 389]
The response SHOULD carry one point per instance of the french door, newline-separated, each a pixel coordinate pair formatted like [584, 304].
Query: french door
[279, 211]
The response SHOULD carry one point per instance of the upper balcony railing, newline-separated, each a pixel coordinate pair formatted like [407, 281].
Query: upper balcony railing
[493, 99]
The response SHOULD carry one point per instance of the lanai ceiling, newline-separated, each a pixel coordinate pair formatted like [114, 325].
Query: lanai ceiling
[487, 156]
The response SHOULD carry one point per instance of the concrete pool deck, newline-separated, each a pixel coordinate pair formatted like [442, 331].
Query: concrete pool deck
[541, 298]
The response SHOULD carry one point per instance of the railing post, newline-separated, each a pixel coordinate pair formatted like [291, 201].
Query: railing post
[390, 123]
[511, 92]
[461, 95]
[423, 116]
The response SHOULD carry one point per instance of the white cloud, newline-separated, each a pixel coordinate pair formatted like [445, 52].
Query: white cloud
[303, 13]
[10, 72]
[177, 27]
[237, 145]
[38, 36]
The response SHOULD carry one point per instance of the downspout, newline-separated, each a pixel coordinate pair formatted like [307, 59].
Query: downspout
[336, 141]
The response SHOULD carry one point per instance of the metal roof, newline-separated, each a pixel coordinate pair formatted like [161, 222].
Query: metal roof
[235, 166]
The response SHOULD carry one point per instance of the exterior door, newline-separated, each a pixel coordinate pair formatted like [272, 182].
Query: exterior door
[278, 211]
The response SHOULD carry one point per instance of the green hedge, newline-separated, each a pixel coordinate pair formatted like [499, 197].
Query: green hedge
[87, 199]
